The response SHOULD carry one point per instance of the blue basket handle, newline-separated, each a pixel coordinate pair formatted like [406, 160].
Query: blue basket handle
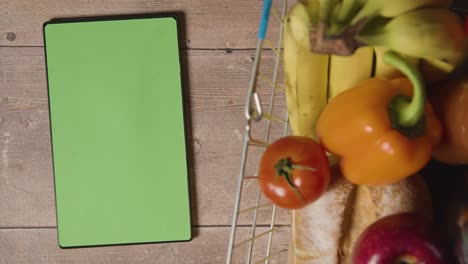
[264, 19]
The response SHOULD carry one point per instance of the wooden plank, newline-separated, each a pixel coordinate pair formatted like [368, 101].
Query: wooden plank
[216, 89]
[209, 24]
[39, 246]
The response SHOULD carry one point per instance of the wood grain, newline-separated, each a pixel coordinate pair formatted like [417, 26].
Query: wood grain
[216, 86]
[209, 24]
[215, 90]
[39, 246]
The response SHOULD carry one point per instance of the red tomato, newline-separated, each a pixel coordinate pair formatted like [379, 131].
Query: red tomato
[294, 171]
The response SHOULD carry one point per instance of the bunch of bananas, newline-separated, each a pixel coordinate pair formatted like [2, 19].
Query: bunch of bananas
[330, 45]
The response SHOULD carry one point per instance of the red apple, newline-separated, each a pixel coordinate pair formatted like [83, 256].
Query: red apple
[402, 238]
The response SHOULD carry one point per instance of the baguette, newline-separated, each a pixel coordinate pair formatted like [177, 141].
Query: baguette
[326, 230]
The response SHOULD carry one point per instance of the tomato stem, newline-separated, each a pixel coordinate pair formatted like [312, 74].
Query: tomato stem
[284, 168]
[300, 167]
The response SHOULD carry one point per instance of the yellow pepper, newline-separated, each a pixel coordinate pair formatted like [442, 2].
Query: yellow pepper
[380, 130]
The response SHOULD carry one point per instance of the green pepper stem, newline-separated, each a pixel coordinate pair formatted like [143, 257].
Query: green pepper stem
[408, 113]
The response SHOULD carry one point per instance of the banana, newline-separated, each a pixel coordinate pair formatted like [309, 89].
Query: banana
[342, 15]
[306, 73]
[395, 8]
[434, 71]
[327, 7]
[431, 33]
[347, 71]
[386, 71]
[347, 9]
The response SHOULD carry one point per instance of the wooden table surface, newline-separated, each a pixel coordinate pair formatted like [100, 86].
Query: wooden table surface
[220, 37]
[218, 51]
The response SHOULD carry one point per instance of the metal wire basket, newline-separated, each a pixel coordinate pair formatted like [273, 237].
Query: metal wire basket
[260, 230]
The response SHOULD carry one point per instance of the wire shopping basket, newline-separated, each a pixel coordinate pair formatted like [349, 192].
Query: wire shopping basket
[260, 230]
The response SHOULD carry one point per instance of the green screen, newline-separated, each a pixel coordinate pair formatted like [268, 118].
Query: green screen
[117, 131]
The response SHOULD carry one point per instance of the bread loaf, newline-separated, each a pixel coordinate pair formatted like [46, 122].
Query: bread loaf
[326, 230]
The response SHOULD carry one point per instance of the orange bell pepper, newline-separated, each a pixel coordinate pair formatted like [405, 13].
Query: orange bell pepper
[379, 129]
